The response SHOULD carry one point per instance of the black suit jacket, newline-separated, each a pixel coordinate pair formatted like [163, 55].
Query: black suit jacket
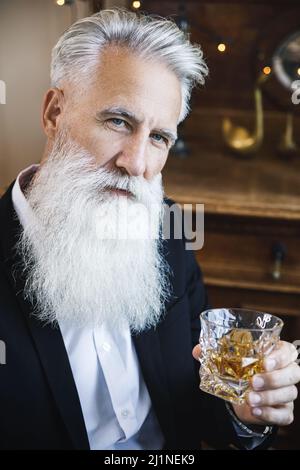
[39, 403]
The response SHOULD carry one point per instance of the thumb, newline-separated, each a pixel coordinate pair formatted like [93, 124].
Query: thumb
[196, 352]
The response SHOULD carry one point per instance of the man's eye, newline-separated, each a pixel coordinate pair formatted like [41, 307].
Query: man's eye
[118, 122]
[159, 138]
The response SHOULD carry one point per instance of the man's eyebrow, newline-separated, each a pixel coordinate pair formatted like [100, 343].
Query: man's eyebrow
[172, 136]
[120, 111]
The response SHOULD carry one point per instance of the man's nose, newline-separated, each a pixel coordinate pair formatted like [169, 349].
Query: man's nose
[132, 157]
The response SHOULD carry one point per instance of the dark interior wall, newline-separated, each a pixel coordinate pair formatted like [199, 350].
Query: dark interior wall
[250, 29]
[243, 26]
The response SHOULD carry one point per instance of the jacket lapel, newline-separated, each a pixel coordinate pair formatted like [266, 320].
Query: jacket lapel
[148, 350]
[48, 340]
[54, 358]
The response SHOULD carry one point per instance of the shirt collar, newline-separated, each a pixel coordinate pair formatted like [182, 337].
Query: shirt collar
[21, 206]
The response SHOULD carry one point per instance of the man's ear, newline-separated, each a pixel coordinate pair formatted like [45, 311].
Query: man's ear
[51, 111]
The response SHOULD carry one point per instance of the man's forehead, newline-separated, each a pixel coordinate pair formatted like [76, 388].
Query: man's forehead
[138, 85]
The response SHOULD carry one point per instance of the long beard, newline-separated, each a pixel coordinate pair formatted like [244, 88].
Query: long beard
[87, 260]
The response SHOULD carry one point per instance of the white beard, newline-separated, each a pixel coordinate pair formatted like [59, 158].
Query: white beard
[78, 273]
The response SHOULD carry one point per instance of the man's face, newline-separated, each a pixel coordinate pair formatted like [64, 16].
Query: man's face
[126, 118]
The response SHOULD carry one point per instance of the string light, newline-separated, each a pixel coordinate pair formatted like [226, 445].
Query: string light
[136, 4]
[298, 71]
[267, 70]
[221, 47]
[60, 2]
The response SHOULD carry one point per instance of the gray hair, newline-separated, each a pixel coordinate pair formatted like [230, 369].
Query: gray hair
[77, 53]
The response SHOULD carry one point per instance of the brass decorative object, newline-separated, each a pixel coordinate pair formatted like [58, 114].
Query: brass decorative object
[287, 146]
[238, 138]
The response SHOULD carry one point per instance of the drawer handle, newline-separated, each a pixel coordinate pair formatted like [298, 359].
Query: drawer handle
[279, 252]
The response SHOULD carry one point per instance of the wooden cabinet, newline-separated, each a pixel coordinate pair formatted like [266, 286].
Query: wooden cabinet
[256, 255]
[252, 219]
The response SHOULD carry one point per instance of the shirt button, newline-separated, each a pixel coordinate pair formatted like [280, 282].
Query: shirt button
[125, 413]
[106, 347]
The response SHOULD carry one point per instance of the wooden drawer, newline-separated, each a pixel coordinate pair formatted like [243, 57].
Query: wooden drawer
[239, 253]
[277, 303]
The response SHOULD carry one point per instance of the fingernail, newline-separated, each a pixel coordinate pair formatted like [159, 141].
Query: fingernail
[257, 411]
[258, 382]
[270, 364]
[254, 398]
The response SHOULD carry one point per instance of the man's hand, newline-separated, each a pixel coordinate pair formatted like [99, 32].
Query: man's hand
[272, 393]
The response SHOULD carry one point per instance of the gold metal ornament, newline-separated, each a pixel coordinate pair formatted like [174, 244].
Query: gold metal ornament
[238, 138]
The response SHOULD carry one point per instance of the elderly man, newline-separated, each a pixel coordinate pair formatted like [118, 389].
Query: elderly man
[99, 329]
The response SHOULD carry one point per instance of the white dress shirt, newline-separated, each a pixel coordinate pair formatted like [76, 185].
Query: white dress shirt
[115, 402]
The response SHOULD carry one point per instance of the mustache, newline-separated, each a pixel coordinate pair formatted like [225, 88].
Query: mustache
[135, 187]
[120, 182]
